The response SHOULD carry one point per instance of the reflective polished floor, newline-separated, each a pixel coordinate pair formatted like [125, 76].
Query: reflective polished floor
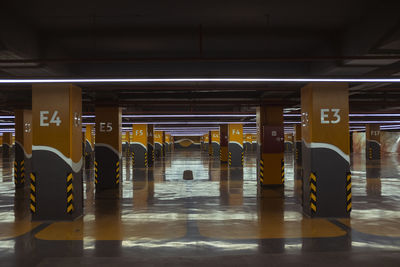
[220, 218]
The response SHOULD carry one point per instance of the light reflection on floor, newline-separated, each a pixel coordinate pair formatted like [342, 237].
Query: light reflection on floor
[220, 211]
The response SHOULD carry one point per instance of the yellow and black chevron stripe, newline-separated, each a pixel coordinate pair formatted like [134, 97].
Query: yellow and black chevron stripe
[152, 153]
[313, 193]
[19, 179]
[220, 154]
[70, 194]
[133, 159]
[95, 172]
[117, 172]
[145, 159]
[33, 193]
[370, 153]
[297, 154]
[261, 171]
[230, 158]
[348, 192]
[283, 170]
[242, 158]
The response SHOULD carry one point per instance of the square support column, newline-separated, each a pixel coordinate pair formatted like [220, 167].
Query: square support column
[224, 154]
[271, 146]
[215, 143]
[139, 146]
[7, 145]
[108, 148]
[326, 162]
[372, 142]
[158, 144]
[235, 145]
[150, 145]
[206, 141]
[56, 178]
[23, 147]
[89, 146]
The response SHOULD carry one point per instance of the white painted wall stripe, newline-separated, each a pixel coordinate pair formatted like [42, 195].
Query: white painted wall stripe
[75, 166]
[345, 156]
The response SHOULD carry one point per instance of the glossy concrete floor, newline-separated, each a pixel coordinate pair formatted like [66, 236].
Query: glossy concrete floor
[217, 219]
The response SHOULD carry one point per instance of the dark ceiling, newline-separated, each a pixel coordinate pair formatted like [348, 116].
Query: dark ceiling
[201, 39]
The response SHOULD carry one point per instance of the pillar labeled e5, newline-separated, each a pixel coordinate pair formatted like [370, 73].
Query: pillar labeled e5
[108, 148]
[56, 178]
[325, 147]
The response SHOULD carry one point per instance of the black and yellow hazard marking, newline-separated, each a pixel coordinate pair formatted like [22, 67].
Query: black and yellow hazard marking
[133, 159]
[313, 193]
[242, 158]
[145, 159]
[117, 173]
[95, 172]
[33, 193]
[230, 158]
[70, 194]
[348, 192]
[261, 172]
[282, 171]
[19, 173]
[370, 153]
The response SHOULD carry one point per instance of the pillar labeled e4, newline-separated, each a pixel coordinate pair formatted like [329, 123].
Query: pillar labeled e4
[326, 147]
[56, 178]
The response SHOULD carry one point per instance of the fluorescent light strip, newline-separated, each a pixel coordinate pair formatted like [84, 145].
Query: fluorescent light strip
[178, 80]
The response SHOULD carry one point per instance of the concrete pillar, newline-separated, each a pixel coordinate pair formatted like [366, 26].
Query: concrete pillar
[271, 145]
[298, 170]
[247, 142]
[215, 143]
[235, 145]
[23, 146]
[164, 144]
[7, 144]
[89, 145]
[224, 152]
[158, 144]
[139, 146]
[168, 142]
[150, 145]
[288, 142]
[108, 148]
[56, 178]
[210, 148]
[372, 142]
[206, 141]
[325, 137]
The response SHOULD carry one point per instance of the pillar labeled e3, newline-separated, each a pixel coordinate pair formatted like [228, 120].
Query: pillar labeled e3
[326, 148]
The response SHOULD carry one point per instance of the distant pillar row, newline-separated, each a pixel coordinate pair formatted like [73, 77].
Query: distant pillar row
[108, 148]
[325, 157]
[23, 147]
[210, 148]
[271, 146]
[56, 178]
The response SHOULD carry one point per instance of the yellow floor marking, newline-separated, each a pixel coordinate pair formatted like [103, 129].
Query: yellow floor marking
[388, 226]
[17, 228]
[269, 228]
[111, 228]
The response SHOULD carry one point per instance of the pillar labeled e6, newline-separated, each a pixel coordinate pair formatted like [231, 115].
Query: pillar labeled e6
[325, 150]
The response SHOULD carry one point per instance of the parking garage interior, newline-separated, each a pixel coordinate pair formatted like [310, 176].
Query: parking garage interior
[176, 133]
